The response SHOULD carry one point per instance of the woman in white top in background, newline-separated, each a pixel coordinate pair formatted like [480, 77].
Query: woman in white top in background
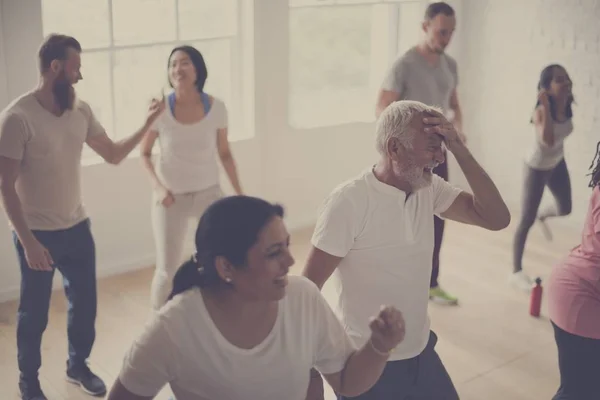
[191, 132]
[545, 165]
[237, 327]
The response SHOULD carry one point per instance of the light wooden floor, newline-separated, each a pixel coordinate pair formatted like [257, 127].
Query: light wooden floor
[492, 348]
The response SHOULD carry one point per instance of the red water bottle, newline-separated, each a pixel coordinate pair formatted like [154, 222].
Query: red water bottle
[535, 302]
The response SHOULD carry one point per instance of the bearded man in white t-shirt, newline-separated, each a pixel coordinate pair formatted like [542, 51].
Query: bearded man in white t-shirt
[375, 236]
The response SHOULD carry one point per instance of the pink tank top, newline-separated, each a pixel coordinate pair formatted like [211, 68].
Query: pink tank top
[574, 286]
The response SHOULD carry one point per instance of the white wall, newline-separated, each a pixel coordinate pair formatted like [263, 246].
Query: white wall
[295, 168]
[3, 77]
[506, 44]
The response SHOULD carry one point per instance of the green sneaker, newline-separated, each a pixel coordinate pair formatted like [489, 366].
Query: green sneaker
[438, 295]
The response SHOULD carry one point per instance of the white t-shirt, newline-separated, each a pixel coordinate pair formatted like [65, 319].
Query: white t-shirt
[386, 240]
[188, 152]
[183, 347]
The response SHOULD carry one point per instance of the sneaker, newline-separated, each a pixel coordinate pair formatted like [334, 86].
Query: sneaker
[521, 281]
[87, 380]
[31, 390]
[439, 295]
[545, 228]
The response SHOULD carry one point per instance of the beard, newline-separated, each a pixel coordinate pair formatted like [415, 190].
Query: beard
[64, 93]
[417, 177]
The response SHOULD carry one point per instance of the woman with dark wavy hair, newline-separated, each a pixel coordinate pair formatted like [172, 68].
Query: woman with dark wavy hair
[574, 306]
[191, 133]
[545, 162]
[238, 327]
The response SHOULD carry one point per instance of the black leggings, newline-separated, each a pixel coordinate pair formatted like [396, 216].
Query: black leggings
[559, 183]
[579, 366]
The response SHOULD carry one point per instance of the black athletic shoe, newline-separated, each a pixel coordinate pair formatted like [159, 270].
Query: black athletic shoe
[31, 390]
[87, 380]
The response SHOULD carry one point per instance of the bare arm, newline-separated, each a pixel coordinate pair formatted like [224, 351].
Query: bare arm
[319, 266]
[9, 171]
[485, 207]
[120, 392]
[115, 152]
[362, 371]
[543, 125]
[455, 106]
[362, 368]
[386, 97]
[146, 153]
[227, 160]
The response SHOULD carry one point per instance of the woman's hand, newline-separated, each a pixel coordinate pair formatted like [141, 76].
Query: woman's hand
[387, 330]
[166, 198]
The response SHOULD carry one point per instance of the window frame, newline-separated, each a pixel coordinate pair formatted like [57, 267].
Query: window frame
[242, 52]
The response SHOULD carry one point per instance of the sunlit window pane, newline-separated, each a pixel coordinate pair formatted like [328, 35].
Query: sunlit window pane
[143, 21]
[330, 55]
[409, 25]
[140, 74]
[95, 87]
[200, 19]
[87, 21]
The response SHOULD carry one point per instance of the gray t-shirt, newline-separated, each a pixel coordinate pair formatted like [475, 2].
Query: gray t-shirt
[49, 151]
[415, 79]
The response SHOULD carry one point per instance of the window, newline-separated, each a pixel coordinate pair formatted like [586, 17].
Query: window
[330, 52]
[125, 51]
[336, 52]
[3, 76]
[410, 17]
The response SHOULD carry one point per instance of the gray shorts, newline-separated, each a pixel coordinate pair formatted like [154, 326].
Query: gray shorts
[423, 377]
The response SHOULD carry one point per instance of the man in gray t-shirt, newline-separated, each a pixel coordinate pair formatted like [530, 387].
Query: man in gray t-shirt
[427, 74]
[42, 134]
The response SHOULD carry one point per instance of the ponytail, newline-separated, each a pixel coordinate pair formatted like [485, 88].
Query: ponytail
[187, 277]
[191, 275]
[228, 228]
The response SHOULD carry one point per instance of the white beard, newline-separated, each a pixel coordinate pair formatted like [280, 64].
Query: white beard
[416, 177]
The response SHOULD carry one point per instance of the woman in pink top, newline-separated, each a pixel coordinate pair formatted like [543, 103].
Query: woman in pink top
[574, 306]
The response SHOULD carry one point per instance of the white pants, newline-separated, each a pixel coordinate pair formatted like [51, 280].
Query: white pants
[171, 225]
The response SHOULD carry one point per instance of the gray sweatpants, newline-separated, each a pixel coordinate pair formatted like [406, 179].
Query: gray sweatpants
[423, 377]
[559, 183]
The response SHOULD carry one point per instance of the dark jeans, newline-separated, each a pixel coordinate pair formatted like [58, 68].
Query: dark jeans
[559, 183]
[423, 377]
[579, 365]
[438, 224]
[74, 254]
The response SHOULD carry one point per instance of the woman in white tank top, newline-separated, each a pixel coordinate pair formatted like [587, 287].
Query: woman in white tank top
[545, 162]
[191, 133]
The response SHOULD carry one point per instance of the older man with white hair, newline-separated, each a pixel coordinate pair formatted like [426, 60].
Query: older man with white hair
[375, 238]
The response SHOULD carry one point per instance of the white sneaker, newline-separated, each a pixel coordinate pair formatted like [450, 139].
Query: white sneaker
[521, 281]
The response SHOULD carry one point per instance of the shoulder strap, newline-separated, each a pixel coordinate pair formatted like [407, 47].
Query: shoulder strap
[171, 100]
[205, 102]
